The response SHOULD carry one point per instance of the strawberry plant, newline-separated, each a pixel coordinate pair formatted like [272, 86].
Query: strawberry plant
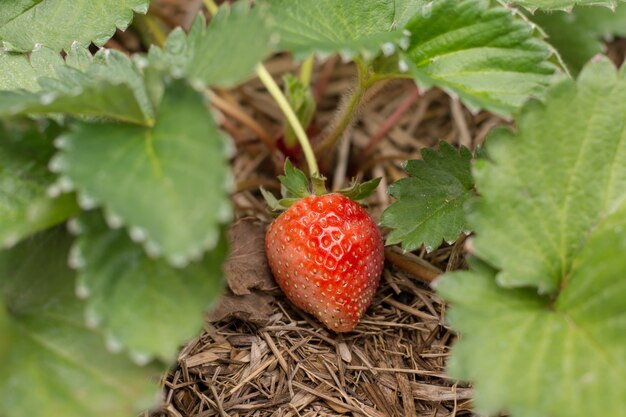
[115, 189]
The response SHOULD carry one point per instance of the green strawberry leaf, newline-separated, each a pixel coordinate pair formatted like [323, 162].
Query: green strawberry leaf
[295, 182]
[532, 5]
[351, 28]
[131, 295]
[360, 191]
[179, 163]
[484, 54]
[58, 23]
[430, 202]
[577, 35]
[533, 356]
[550, 218]
[25, 207]
[21, 71]
[110, 86]
[224, 53]
[53, 365]
[549, 203]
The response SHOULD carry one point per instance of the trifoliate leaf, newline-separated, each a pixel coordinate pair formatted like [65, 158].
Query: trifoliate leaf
[54, 365]
[21, 71]
[547, 187]
[484, 54]
[534, 356]
[577, 35]
[135, 299]
[224, 53]
[110, 87]
[168, 184]
[430, 206]
[295, 183]
[25, 206]
[58, 23]
[351, 28]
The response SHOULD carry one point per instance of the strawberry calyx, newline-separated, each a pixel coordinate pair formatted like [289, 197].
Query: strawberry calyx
[295, 185]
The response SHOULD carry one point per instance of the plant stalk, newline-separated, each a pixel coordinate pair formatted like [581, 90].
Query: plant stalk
[211, 6]
[351, 107]
[281, 100]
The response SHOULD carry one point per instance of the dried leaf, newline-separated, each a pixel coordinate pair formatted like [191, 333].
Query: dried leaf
[246, 267]
[254, 308]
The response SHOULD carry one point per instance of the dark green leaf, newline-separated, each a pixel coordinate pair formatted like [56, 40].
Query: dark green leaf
[577, 35]
[110, 86]
[21, 71]
[225, 52]
[544, 189]
[168, 184]
[59, 23]
[54, 365]
[431, 201]
[144, 305]
[550, 218]
[25, 205]
[562, 4]
[532, 356]
[485, 54]
[348, 27]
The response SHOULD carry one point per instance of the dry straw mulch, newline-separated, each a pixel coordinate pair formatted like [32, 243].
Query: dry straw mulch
[258, 355]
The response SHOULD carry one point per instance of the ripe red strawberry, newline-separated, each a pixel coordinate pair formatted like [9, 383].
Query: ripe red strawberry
[326, 253]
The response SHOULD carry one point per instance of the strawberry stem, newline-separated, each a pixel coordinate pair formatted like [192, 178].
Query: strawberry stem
[211, 6]
[350, 109]
[283, 103]
[281, 100]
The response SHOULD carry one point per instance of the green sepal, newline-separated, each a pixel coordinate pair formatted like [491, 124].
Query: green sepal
[269, 198]
[319, 184]
[294, 181]
[358, 191]
[274, 203]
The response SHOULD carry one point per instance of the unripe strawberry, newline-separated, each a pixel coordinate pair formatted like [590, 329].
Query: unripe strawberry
[326, 253]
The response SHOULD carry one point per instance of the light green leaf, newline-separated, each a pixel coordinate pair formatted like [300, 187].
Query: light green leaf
[110, 86]
[25, 206]
[562, 4]
[546, 188]
[168, 184]
[225, 52]
[144, 305]
[533, 356]
[58, 23]
[351, 28]
[577, 35]
[54, 365]
[21, 71]
[486, 55]
[431, 201]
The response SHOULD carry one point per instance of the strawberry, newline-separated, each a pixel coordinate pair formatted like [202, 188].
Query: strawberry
[326, 254]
